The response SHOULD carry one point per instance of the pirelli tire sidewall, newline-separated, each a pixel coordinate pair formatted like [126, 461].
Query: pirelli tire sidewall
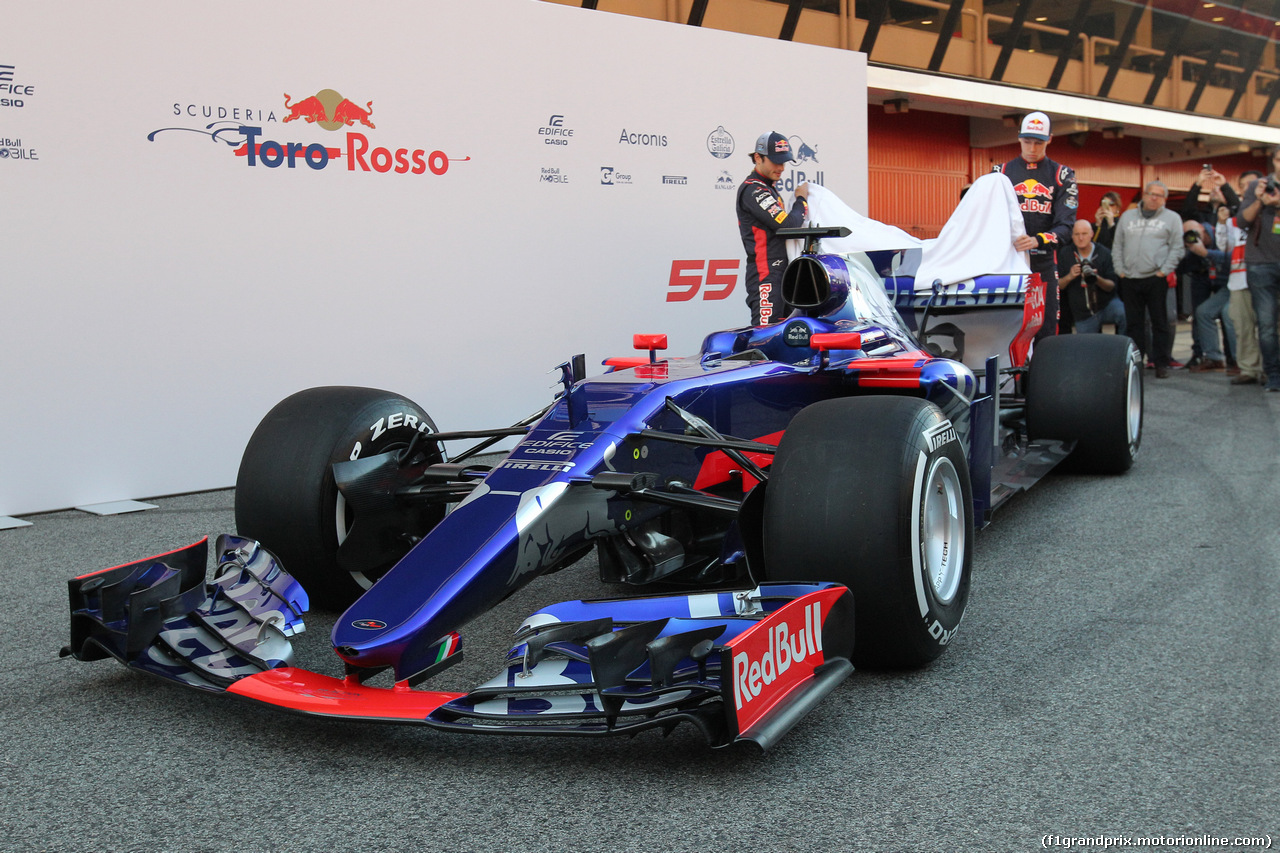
[874, 493]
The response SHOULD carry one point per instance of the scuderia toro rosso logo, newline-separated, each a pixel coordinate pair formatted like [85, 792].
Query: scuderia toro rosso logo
[257, 146]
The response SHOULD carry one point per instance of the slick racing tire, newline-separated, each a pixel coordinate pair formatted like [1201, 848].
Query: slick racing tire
[287, 499]
[873, 493]
[1088, 389]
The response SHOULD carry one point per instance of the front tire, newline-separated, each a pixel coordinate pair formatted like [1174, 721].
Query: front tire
[287, 499]
[873, 493]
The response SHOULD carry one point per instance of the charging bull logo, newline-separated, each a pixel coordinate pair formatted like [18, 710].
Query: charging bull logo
[328, 109]
[804, 153]
[1033, 196]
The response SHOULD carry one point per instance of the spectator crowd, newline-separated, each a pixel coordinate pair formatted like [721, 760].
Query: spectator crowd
[1142, 269]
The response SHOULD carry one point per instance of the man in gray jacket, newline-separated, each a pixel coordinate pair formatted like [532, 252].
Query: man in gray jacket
[1147, 248]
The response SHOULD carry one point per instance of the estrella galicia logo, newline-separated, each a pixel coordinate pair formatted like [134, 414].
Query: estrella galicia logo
[725, 181]
[12, 94]
[720, 143]
[803, 153]
[369, 624]
[554, 131]
[610, 177]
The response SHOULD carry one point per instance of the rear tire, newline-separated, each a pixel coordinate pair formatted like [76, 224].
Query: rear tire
[1088, 389]
[873, 493]
[285, 492]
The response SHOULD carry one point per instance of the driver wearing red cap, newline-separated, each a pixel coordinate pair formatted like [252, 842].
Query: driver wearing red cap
[1048, 196]
[761, 212]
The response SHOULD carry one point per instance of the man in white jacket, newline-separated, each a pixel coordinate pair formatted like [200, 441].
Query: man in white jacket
[1147, 248]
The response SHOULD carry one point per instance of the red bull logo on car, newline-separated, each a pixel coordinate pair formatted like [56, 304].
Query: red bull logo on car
[1033, 196]
[327, 110]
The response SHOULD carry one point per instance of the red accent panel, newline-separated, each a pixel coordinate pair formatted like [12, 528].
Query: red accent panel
[773, 658]
[157, 558]
[900, 372]
[312, 693]
[622, 362]
[657, 370]
[716, 467]
[836, 340]
[649, 341]
[762, 252]
[1032, 320]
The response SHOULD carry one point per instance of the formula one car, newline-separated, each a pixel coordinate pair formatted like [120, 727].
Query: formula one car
[818, 481]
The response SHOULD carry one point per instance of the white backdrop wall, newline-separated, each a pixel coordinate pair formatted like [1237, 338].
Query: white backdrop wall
[160, 293]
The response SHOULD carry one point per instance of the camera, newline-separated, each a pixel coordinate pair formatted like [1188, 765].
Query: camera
[1208, 167]
[1087, 273]
[1190, 237]
[1271, 184]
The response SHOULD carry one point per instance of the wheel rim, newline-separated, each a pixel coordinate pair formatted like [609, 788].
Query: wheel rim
[1135, 402]
[943, 530]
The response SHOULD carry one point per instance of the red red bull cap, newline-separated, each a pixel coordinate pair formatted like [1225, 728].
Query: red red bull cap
[775, 147]
[1035, 126]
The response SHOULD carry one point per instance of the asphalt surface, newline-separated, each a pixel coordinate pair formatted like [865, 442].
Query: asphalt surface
[1115, 676]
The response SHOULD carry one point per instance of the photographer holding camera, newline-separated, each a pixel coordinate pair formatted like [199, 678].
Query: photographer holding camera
[1087, 281]
[1210, 191]
[1257, 217]
[1206, 270]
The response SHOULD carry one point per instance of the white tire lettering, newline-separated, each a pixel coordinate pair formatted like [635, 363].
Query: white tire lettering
[917, 544]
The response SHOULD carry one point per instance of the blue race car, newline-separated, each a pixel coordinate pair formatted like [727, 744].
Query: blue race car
[814, 484]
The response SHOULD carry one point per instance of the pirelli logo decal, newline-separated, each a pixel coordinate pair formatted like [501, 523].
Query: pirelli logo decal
[940, 435]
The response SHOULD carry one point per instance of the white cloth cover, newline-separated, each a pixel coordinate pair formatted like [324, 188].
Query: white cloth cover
[868, 235]
[977, 239]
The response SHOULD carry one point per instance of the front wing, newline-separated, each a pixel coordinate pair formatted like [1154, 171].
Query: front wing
[740, 666]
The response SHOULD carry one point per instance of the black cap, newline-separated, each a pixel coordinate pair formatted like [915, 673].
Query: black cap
[775, 146]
